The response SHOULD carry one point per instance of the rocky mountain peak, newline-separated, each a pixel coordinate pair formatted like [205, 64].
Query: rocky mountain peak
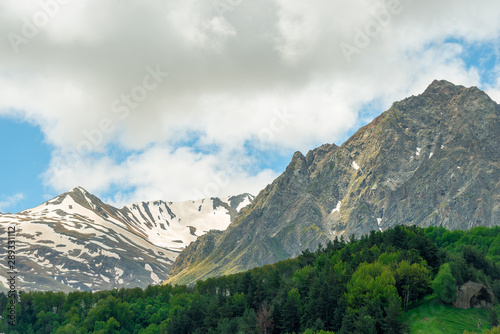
[298, 163]
[430, 160]
[84, 198]
[442, 88]
[80, 189]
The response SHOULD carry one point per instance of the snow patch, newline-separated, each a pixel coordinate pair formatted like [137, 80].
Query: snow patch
[338, 234]
[109, 254]
[379, 221]
[430, 155]
[61, 269]
[337, 208]
[245, 202]
[418, 150]
[118, 272]
[355, 165]
[155, 278]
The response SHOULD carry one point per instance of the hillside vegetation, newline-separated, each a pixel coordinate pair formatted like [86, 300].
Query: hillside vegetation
[382, 283]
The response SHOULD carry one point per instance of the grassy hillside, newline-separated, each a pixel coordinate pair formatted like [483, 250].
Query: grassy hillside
[434, 317]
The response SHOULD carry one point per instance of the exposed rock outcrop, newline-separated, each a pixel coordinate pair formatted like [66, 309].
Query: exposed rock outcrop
[474, 295]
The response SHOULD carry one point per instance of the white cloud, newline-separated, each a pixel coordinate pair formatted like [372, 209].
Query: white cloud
[7, 202]
[229, 76]
[161, 173]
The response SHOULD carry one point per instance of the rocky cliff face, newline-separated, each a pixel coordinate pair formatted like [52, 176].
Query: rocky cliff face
[430, 160]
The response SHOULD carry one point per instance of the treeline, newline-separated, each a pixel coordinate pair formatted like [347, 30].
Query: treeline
[354, 286]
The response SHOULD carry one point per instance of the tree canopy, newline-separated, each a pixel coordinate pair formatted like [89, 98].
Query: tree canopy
[359, 286]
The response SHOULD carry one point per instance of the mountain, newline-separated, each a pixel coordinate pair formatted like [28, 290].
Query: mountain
[430, 160]
[76, 241]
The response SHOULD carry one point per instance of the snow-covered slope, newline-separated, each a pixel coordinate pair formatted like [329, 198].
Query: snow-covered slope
[176, 225]
[75, 241]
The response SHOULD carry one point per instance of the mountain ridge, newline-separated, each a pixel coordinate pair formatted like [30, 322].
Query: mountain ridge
[429, 160]
[76, 241]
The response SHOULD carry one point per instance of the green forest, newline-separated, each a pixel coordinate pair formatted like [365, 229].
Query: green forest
[377, 284]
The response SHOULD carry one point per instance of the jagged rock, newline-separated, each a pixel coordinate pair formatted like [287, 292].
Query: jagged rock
[474, 295]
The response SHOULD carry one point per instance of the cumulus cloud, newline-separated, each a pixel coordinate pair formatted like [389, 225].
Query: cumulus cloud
[162, 173]
[264, 74]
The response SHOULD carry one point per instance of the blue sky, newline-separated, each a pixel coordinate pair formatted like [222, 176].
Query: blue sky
[25, 157]
[173, 100]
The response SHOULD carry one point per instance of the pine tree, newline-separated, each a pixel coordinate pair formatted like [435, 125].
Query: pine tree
[364, 323]
[393, 323]
[292, 312]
